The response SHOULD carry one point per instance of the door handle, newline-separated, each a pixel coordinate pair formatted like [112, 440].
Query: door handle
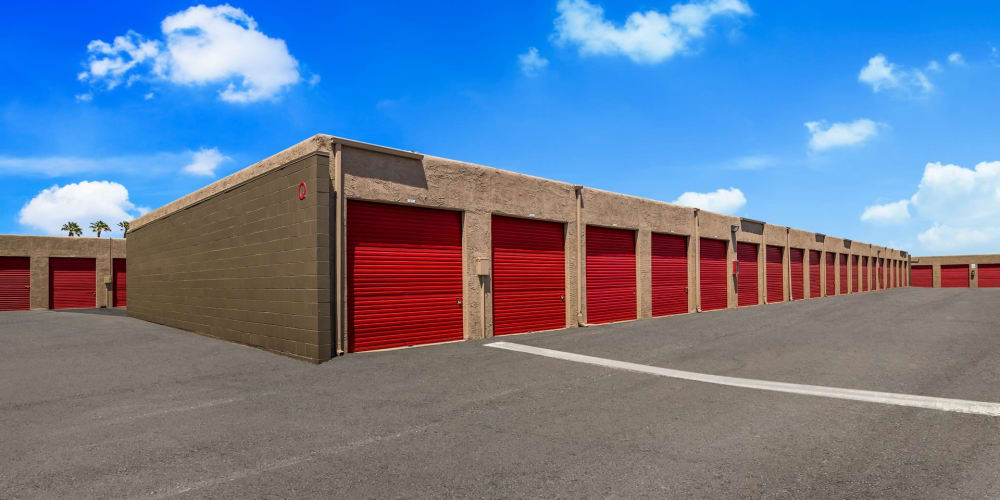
[458, 301]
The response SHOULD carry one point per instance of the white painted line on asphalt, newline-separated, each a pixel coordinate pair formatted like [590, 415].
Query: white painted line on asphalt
[888, 398]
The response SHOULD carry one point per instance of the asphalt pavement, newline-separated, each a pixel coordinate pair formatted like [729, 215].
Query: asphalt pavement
[95, 405]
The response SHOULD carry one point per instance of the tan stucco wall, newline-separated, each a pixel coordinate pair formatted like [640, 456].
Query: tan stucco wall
[39, 248]
[373, 173]
[937, 261]
[249, 264]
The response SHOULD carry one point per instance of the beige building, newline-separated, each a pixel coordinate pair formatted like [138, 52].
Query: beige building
[334, 246]
[58, 272]
[957, 271]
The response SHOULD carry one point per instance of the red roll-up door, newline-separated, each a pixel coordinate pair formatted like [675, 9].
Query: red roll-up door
[855, 280]
[775, 274]
[814, 273]
[989, 275]
[15, 283]
[864, 274]
[955, 276]
[714, 292]
[922, 276]
[529, 276]
[842, 289]
[404, 276]
[831, 274]
[669, 274]
[747, 293]
[72, 283]
[119, 283]
[796, 258]
[610, 275]
[881, 274]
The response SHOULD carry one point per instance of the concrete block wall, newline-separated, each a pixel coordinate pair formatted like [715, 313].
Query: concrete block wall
[40, 248]
[937, 261]
[247, 262]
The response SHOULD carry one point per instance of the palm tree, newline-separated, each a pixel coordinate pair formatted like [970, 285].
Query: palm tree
[124, 225]
[72, 228]
[99, 226]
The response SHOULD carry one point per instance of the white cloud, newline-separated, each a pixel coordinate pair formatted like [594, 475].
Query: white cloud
[896, 212]
[951, 195]
[840, 134]
[647, 37]
[85, 97]
[941, 238]
[726, 201]
[202, 45]
[148, 96]
[882, 75]
[956, 59]
[531, 63]
[962, 205]
[205, 161]
[934, 66]
[108, 63]
[758, 162]
[83, 202]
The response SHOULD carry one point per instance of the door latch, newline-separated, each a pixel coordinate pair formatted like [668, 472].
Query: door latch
[458, 301]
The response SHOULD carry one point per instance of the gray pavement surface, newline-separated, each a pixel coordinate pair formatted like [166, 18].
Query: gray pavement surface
[99, 405]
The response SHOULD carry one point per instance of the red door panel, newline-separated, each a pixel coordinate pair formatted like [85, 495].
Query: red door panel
[404, 276]
[669, 274]
[713, 279]
[15, 283]
[922, 276]
[529, 276]
[955, 276]
[989, 275]
[831, 274]
[796, 258]
[746, 279]
[610, 275]
[842, 289]
[72, 283]
[814, 273]
[855, 279]
[864, 274]
[775, 274]
[119, 283]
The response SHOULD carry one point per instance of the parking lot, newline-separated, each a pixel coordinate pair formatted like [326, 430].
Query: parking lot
[96, 404]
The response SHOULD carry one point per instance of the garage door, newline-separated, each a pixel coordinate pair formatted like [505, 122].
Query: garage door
[610, 275]
[922, 276]
[714, 293]
[404, 276]
[814, 273]
[864, 274]
[669, 274]
[855, 280]
[989, 275]
[955, 276]
[529, 276]
[747, 293]
[775, 274]
[15, 283]
[843, 274]
[796, 257]
[119, 283]
[72, 283]
[831, 274]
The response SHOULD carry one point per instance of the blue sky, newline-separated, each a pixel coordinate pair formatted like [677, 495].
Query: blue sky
[875, 121]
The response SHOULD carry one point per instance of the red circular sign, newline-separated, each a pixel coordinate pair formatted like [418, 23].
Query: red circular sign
[302, 190]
